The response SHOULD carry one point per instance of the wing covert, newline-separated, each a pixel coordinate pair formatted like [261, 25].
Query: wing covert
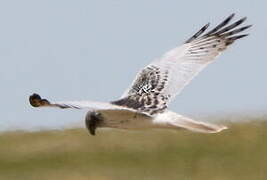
[158, 83]
[36, 101]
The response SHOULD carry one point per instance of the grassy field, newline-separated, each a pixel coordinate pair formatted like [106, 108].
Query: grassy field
[237, 153]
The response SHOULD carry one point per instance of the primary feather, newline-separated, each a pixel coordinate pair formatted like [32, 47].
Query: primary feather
[145, 103]
[158, 83]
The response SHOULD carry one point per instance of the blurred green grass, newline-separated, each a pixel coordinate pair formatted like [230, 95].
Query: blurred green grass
[237, 153]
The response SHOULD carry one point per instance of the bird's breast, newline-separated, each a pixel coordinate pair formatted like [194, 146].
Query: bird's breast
[125, 119]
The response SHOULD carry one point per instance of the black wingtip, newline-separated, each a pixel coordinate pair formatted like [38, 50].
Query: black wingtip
[196, 35]
[240, 21]
[222, 24]
[238, 37]
[234, 38]
[36, 100]
[33, 99]
[235, 31]
[246, 27]
[231, 16]
[231, 28]
[206, 26]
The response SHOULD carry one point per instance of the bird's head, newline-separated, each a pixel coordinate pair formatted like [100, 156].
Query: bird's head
[92, 120]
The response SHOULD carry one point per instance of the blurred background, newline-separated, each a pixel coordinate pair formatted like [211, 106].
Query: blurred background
[79, 50]
[76, 50]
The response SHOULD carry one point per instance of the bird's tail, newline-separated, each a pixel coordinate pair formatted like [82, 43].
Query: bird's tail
[174, 120]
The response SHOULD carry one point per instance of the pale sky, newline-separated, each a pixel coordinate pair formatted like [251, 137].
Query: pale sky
[92, 49]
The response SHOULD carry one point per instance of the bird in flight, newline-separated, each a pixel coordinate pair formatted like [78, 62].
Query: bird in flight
[144, 104]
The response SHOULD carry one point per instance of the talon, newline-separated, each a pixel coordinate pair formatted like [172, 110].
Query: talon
[37, 101]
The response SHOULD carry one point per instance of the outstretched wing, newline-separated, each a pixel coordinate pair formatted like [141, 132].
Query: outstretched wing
[158, 83]
[37, 101]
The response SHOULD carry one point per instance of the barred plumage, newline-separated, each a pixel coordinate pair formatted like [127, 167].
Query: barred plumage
[145, 103]
[198, 52]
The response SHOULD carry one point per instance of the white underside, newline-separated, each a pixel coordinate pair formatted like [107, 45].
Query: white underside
[125, 119]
